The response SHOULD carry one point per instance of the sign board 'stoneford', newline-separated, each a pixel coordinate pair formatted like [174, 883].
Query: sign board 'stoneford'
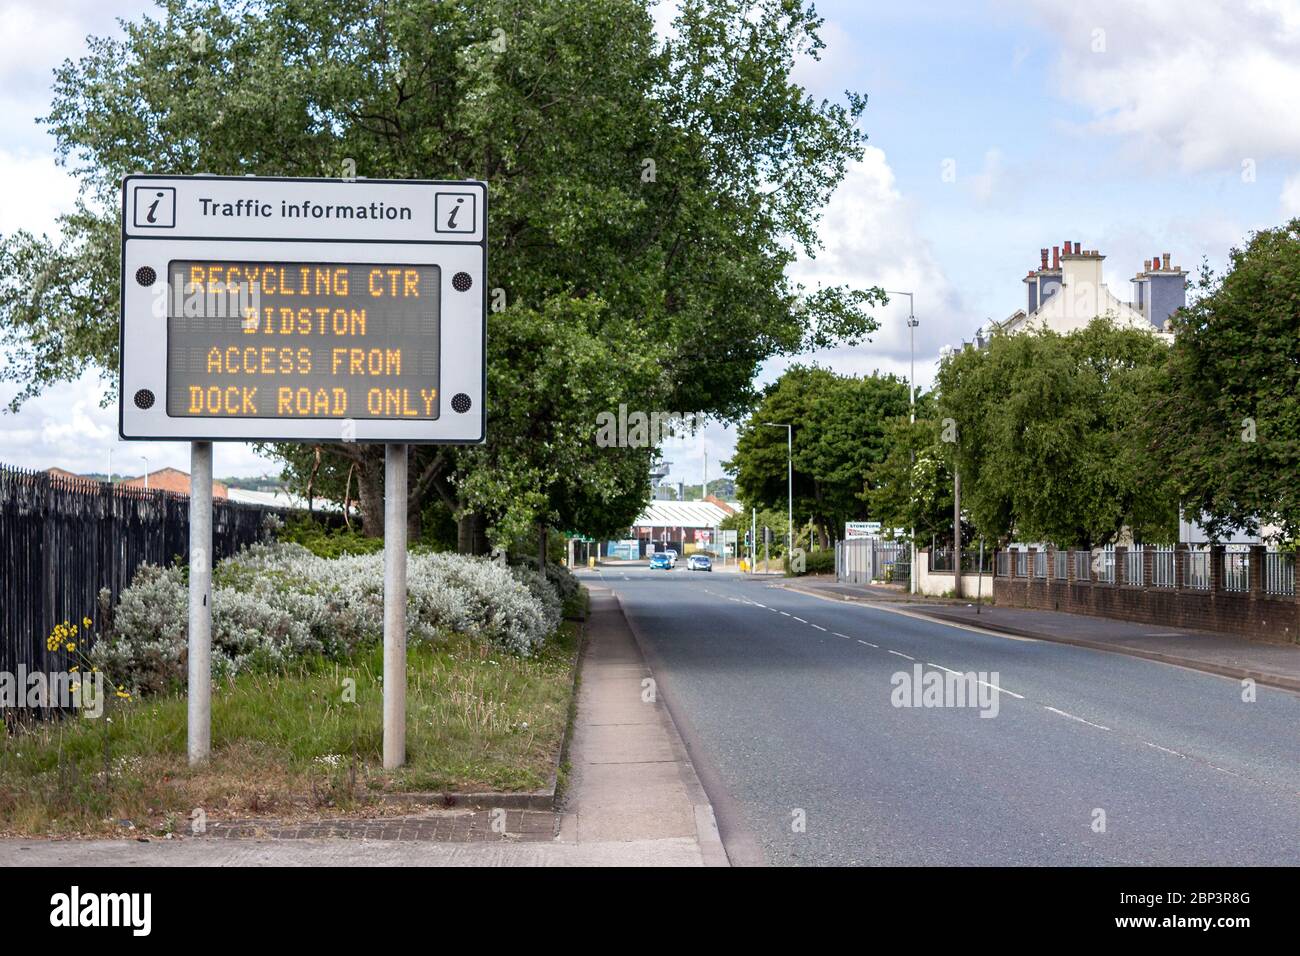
[303, 309]
[861, 529]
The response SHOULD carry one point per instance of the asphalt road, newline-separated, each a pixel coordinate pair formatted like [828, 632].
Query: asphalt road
[788, 702]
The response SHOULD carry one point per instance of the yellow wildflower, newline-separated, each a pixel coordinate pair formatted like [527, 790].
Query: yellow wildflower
[86, 621]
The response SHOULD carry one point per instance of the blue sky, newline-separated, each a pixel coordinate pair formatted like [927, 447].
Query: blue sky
[1132, 126]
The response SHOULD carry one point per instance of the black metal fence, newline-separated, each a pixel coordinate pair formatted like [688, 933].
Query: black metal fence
[62, 540]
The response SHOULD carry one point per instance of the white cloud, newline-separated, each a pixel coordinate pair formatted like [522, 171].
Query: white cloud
[1290, 198]
[35, 192]
[66, 427]
[871, 239]
[1203, 83]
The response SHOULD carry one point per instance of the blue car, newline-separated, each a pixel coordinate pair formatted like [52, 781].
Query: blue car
[661, 561]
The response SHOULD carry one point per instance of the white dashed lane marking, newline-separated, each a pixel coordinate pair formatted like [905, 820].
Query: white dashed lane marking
[901, 654]
[1073, 717]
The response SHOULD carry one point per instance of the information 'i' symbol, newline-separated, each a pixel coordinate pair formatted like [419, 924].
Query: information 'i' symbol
[151, 216]
[451, 220]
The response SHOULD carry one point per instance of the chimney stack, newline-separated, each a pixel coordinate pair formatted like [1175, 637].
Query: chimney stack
[1165, 260]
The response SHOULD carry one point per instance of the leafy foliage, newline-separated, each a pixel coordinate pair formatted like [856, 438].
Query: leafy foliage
[911, 485]
[840, 428]
[1051, 435]
[1228, 424]
[645, 201]
[273, 605]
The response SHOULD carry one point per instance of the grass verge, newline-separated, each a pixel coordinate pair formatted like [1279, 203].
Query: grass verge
[305, 742]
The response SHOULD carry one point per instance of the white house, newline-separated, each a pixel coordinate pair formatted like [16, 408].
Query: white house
[1068, 293]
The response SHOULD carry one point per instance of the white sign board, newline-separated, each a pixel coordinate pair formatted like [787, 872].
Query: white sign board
[861, 529]
[303, 309]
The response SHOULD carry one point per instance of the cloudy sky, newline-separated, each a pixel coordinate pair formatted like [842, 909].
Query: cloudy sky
[995, 128]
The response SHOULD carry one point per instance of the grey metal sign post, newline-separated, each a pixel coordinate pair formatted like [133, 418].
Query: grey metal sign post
[308, 310]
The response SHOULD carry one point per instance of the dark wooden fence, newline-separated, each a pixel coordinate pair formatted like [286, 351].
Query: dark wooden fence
[63, 540]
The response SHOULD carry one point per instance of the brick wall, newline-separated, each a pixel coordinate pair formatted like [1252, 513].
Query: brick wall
[1250, 612]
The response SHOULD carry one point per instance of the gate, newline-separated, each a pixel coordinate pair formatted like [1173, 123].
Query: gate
[864, 560]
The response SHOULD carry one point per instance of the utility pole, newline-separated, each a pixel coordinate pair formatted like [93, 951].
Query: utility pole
[199, 636]
[789, 490]
[956, 531]
[395, 503]
[912, 323]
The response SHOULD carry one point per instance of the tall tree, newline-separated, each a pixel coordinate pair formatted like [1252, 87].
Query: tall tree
[1227, 424]
[645, 199]
[1049, 434]
[910, 487]
[839, 433]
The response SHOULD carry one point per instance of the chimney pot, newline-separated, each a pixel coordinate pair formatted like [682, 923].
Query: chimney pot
[1155, 261]
[1043, 256]
[1146, 265]
[1056, 257]
[1076, 248]
[1165, 260]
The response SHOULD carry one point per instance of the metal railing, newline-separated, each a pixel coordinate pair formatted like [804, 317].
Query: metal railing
[1133, 566]
[1106, 564]
[1236, 571]
[1004, 564]
[1197, 573]
[1040, 565]
[63, 540]
[1163, 568]
[1060, 565]
[863, 560]
[1082, 566]
[1022, 564]
[1279, 573]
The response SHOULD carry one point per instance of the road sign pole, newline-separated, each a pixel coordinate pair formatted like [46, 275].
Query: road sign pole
[394, 606]
[199, 732]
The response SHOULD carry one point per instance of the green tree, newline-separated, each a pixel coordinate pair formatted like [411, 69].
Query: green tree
[1050, 435]
[839, 434]
[910, 487]
[646, 198]
[1227, 424]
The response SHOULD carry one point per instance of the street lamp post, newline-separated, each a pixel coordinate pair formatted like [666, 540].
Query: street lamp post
[912, 323]
[789, 457]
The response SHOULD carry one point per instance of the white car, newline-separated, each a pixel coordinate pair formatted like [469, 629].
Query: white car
[672, 556]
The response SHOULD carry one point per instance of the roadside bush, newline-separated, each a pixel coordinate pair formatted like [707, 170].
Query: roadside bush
[815, 562]
[276, 603]
[326, 542]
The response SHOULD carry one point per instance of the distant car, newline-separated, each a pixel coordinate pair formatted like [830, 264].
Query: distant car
[672, 556]
[699, 562]
[660, 560]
